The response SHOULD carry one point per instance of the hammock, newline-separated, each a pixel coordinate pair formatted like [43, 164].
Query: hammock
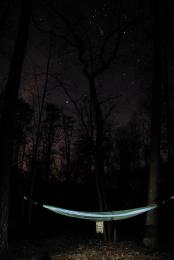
[102, 216]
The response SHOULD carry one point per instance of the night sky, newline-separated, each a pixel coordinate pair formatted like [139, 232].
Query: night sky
[124, 77]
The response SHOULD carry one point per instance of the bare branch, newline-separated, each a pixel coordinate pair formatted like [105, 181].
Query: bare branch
[121, 29]
[53, 33]
[66, 22]
[109, 112]
[109, 99]
[78, 41]
[85, 62]
[77, 108]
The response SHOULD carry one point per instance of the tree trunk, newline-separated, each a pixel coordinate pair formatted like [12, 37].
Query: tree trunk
[166, 91]
[151, 236]
[8, 119]
[99, 154]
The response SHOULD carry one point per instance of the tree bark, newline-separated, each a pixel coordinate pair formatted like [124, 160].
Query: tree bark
[8, 119]
[151, 235]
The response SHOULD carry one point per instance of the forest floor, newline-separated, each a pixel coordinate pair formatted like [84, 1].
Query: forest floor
[66, 246]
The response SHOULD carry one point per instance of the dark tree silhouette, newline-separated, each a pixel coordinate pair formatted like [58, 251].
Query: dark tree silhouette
[50, 127]
[167, 55]
[8, 118]
[151, 236]
[67, 135]
[24, 115]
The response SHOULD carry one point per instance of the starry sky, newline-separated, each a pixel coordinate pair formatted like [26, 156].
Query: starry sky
[127, 75]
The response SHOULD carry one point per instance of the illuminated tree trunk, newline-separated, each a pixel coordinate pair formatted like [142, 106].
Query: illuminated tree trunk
[7, 127]
[151, 235]
[99, 153]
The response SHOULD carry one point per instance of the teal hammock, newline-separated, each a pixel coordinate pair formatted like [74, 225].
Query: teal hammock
[102, 216]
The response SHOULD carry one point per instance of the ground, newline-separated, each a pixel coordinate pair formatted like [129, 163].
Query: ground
[67, 246]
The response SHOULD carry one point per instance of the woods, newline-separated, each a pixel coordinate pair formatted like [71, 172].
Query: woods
[86, 112]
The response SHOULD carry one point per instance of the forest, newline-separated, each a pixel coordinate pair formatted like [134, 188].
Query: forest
[86, 127]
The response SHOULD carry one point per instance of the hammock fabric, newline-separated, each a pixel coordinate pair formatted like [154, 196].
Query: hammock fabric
[101, 216]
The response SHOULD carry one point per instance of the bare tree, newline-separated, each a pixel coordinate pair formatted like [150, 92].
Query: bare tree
[93, 54]
[96, 44]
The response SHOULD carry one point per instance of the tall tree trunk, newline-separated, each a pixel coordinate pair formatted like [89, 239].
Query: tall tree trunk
[99, 153]
[8, 119]
[168, 106]
[165, 39]
[151, 236]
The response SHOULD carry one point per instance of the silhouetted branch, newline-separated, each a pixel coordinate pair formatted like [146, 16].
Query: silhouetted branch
[67, 23]
[62, 85]
[109, 112]
[109, 99]
[53, 33]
